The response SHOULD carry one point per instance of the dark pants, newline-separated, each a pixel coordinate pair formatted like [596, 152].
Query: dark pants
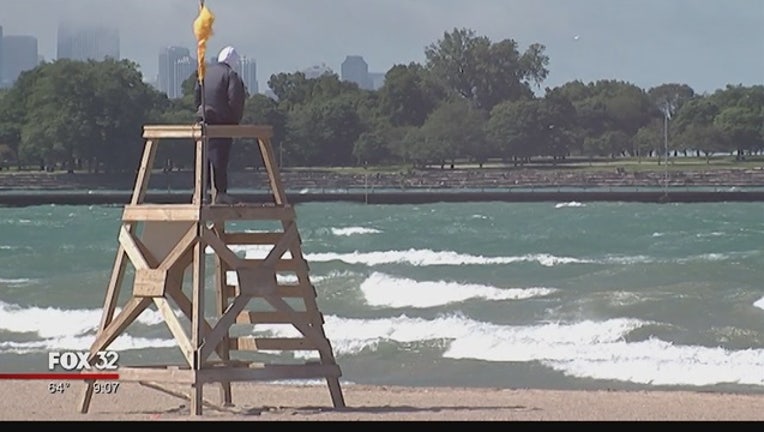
[218, 153]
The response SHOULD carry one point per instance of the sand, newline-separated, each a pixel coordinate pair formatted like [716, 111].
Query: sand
[30, 400]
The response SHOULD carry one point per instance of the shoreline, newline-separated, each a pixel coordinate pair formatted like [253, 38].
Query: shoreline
[447, 179]
[25, 401]
[32, 198]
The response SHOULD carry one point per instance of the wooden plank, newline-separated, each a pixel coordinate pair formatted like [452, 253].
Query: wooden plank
[184, 304]
[315, 334]
[175, 328]
[270, 373]
[201, 171]
[216, 335]
[246, 211]
[197, 300]
[193, 131]
[221, 304]
[257, 238]
[161, 213]
[278, 317]
[115, 283]
[137, 257]
[256, 281]
[149, 283]
[271, 344]
[286, 242]
[287, 291]
[172, 375]
[269, 161]
[221, 249]
[181, 248]
[144, 172]
[284, 264]
[134, 307]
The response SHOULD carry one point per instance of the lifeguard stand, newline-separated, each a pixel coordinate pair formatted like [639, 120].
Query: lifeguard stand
[164, 241]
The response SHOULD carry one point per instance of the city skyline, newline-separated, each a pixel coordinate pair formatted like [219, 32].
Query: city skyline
[706, 44]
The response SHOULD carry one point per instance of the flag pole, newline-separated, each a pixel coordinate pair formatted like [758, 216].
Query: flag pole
[205, 161]
[200, 77]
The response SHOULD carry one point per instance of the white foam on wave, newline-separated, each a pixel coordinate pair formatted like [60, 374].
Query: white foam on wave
[569, 204]
[350, 231]
[427, 257]
[587, 349]
[17, 281]
[123, 342]
[759, 303]
[59, 323]
[380, 289]
[233, 279]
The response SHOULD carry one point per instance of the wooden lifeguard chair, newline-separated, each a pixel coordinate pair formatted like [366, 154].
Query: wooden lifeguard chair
[164, 241]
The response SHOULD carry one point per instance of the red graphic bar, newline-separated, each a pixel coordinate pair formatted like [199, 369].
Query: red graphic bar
[59, 376]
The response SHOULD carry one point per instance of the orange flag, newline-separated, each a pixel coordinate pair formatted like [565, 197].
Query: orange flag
[203, 31]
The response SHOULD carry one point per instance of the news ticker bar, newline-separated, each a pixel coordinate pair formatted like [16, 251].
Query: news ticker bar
[59, 376]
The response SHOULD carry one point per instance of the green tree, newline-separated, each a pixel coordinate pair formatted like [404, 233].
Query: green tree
[323, 132]
[514, 128]
[455, 130]
[409, 95]
[73, 111]
[261, 110]
[649, 140]
[704, 138]
[670, 96]
[483, 72]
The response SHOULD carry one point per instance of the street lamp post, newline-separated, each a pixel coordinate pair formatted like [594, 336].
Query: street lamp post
[666, 118]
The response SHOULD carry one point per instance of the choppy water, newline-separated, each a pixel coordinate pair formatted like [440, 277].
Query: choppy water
[538, 295]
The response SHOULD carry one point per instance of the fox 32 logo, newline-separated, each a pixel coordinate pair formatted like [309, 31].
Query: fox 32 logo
[78, 361]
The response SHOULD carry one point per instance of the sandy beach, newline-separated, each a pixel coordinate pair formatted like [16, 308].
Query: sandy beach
[30, 400]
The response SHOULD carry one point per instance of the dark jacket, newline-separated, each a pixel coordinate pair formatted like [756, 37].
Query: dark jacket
[224, 95]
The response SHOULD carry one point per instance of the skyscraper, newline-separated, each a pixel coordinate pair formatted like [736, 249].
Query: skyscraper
[87, 42]
[19, 55]
[355, 69]
[184, 68]
[174, 69]
[248, 72]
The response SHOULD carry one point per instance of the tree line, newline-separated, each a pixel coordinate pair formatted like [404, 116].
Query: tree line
[472, 100]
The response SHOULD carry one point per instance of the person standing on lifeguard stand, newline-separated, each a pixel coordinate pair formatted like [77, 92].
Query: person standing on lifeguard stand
[224, 97]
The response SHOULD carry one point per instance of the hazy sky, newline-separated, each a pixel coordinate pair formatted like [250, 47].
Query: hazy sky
[704, 43]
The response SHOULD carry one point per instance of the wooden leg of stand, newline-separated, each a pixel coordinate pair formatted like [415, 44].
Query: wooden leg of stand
[197, 321]
[221, 300]
[110, 305]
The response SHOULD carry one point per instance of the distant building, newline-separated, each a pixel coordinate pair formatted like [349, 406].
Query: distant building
[174, 69]
[2, 84]
[184, 68]
[248, 72]
[377, 80]
[355, 69]
[87, 42]
[19, 55]
[316, 71]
